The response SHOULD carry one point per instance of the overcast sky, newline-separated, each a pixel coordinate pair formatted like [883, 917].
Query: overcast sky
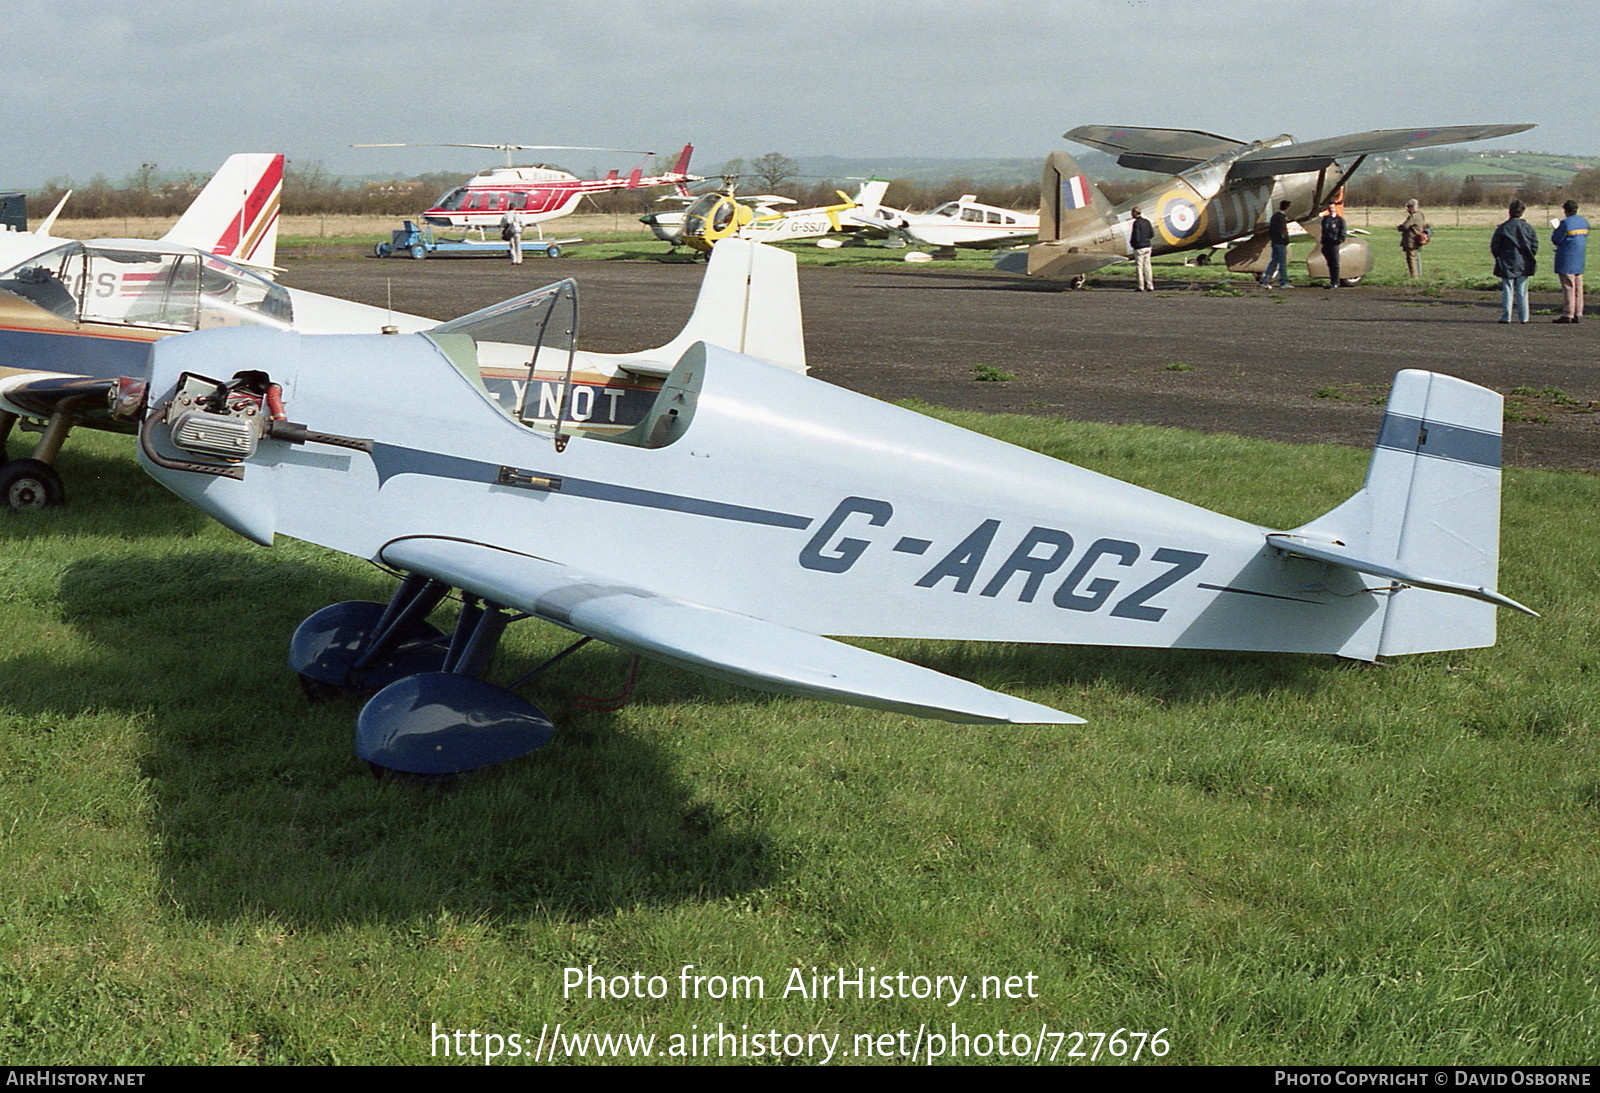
[97, 88]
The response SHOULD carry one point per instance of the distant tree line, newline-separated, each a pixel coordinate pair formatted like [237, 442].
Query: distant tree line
[310, 189]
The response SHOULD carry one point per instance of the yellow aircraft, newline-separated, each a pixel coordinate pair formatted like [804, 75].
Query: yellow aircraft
[722, 214]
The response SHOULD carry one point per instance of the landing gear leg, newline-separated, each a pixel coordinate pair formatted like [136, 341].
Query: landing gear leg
[33, 483]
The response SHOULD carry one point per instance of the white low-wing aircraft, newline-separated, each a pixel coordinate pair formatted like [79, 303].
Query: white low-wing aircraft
[965, 222]
[755, 510]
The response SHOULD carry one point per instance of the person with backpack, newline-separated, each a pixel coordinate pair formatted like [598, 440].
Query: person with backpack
[1414, 235]
[1514, 246]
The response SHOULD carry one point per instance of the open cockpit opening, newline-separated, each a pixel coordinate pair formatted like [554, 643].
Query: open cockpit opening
[522, 355]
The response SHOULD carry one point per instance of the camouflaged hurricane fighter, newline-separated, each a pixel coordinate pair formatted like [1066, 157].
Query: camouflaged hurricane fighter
[754, 510]
[1224, 191]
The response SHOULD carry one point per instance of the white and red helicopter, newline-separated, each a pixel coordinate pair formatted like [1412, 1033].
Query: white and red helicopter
[538, 193]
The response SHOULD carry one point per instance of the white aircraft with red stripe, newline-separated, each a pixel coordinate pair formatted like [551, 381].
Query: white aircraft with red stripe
[236, 215]
[537, 193]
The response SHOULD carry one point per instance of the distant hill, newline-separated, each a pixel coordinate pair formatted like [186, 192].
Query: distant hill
[981, 172]
[1459, 163]
[1445, 163]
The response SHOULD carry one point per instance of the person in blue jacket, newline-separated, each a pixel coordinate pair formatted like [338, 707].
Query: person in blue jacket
[1570, 240]
[1514, 246]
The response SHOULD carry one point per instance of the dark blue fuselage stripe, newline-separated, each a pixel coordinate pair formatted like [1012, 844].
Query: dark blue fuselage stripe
[1434, 438]
[392, 459]
[74, 354]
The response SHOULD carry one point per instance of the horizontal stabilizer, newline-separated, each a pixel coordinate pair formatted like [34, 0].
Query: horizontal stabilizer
[707, 640]
[1337, 554]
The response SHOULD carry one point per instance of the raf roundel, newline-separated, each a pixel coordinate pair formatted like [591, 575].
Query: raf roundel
[1179, 219]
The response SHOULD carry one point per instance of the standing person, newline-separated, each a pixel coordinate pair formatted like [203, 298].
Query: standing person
[1413, 234]
[1278, 236]
[1514, 246]
[1334, 233]
[511, 232]
[1142, 237]
[1570, 240]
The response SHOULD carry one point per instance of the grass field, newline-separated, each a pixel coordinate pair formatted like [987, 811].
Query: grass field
[1273, 859]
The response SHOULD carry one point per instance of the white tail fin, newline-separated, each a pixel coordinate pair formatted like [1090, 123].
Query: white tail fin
[50, 221]
[749, 302]
[870, 196]
[236, 215]
[1430, 508]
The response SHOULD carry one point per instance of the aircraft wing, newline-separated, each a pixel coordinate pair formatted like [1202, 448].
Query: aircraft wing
[709, 641]
[1313, 155]
[86, 400]
[1168, 150]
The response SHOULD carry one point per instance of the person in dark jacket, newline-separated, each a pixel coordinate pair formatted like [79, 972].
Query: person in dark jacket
[1514, 246]
[1141, 238]
[1334, 233]
[1278, 236]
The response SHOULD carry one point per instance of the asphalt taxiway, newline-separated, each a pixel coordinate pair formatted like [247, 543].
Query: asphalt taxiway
[1305, 365]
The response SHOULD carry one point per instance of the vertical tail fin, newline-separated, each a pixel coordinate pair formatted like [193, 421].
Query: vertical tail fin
[1070, 204]
[50, 221]
[236, 215]
[1077, 230]
[1431, 503]
[749, 302]
[682, 166]
[869, 198]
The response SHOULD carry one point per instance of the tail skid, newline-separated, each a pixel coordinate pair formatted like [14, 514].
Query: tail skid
[1427, 517]
[236, 215]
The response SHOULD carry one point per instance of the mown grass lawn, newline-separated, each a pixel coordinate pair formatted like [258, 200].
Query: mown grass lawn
[1272, 858]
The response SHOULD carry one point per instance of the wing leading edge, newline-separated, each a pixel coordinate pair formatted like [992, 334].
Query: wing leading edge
[710, 641]
[1313, 155]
